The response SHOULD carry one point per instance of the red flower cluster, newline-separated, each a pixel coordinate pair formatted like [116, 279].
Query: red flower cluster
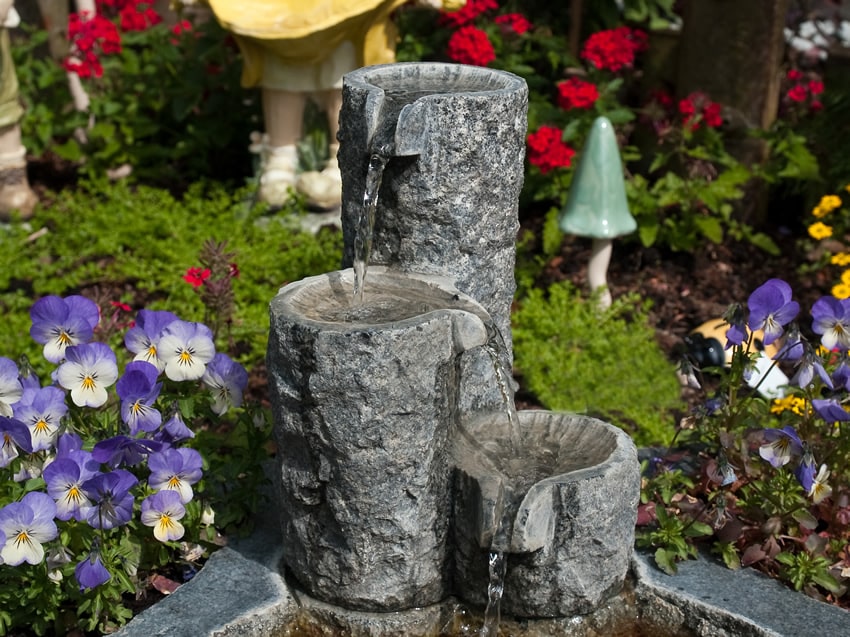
[87, 36]
[804, 91]
[515, 22]
[196, 276]
[614, 49]
[467, 13]
[547, 151]
[696, 108]
[576, 93]
[138, 15]
[470, 45]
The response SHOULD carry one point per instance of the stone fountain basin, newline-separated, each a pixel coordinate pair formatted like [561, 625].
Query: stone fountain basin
[574, 484]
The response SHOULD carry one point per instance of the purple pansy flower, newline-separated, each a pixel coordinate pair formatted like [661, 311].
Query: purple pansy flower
[65, 477]
[67, 443]
[42, 410]
[805, 471]
[186, 348]
[58, 323]
[771, 308]
[87, 371]
[26, 525]
[123, 450]
[13, 435]
[162, 510]
[174, 429]
[831, 319]
[138, 391]
[780, 445]
[808, 365]
[143, 338]
[227, 379]
[175, 469]
[11, 388]
[737, 332]
[91, 572]
[830, 410]
[111, 499]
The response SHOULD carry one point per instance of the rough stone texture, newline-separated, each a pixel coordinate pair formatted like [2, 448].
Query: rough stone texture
[573, 532]
[363, 414]
[449, 206]
[707, 599]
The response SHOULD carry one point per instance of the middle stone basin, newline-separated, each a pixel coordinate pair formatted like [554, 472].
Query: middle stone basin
[366, 399]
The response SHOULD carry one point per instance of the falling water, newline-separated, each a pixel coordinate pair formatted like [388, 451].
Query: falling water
[505, 506]
[366, 221]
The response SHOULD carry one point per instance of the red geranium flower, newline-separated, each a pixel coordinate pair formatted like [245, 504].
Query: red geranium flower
[797, 93]
[516, 22]
[467, 13]
[196, 276]
[470, 45]
[614, 49]
[137, 15]
[576, 93]
[547, 151]
[90, 35]
[696, 108]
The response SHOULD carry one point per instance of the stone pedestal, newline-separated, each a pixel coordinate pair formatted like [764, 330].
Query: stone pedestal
[365, 402]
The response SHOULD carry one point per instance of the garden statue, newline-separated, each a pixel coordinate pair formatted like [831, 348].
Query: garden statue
[15, 191]
[297, 50]
[596, 206]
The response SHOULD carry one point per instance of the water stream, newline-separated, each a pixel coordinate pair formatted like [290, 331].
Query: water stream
[507, 503]
[366, 222]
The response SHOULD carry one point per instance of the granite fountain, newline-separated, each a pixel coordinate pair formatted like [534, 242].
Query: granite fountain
[411, 497]
[406, 476]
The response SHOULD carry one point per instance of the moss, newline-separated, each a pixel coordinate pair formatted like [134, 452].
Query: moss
[575, 357]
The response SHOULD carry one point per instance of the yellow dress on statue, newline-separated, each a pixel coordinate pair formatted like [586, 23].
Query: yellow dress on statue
[304, 45]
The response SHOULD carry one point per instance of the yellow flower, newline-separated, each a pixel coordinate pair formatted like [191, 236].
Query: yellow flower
[794, 404]
[842, 258]
[827, 204]
[841, 291]
[820, 230]
[847, 187]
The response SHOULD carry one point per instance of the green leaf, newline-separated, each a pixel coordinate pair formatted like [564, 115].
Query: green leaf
[827, 581]
[665, 561]
[805, 519]
[697, 529]
[70, 150]
[786, 558]
[710, 228]
[761, 240]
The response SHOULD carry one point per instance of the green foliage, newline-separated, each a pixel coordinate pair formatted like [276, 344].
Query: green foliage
[575, 357]
[169, 106]
[117, 242]
[670, 538]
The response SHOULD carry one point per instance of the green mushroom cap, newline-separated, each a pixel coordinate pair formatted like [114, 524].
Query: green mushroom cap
[596, 206]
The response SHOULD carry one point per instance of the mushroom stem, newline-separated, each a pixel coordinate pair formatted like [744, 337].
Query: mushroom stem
[597, 269]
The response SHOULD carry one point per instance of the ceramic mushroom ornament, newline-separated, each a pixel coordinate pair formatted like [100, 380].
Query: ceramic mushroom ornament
[596, 206]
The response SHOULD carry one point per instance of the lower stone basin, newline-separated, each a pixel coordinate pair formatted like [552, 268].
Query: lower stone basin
[571, 491]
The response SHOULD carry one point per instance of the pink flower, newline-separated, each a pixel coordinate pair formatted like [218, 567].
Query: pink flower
[470, 45]
[576, 93]
[547, 151]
